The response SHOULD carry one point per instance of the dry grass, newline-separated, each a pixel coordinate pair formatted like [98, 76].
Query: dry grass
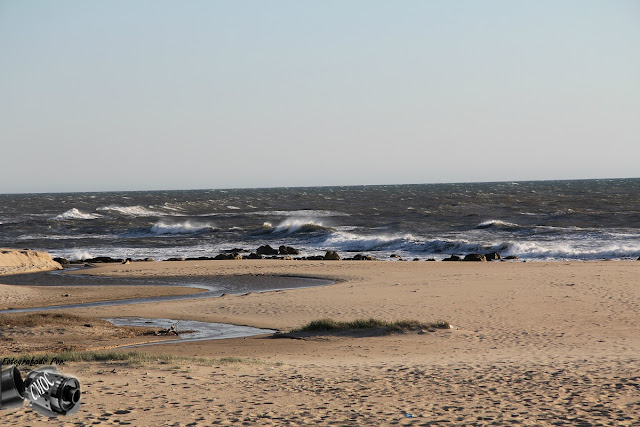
[41, 332]
[30, 320]
[130, 357]
[331, 325]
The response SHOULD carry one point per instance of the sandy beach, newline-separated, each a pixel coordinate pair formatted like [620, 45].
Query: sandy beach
[532, 344]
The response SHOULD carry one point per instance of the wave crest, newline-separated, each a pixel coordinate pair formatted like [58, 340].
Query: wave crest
[574, 250]
[496, 223]
[352, 242]
[185, 227]
[74, 213]
[408, 244]
[135, 211]
[299, 225]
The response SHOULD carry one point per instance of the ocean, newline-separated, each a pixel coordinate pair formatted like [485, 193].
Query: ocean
[535, 221]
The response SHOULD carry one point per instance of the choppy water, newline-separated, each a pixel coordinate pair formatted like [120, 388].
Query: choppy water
[585, 219]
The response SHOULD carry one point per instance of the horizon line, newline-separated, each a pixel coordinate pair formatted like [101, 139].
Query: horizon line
[321, 186]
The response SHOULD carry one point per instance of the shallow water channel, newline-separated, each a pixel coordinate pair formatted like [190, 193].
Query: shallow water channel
[197, 331]
[215, 286]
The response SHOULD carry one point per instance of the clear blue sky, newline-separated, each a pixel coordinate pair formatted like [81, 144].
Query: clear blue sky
[134, 95]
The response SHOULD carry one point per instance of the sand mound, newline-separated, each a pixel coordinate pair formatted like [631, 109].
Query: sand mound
[13, 261]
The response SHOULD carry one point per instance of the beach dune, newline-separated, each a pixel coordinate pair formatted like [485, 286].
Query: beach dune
[13, 261]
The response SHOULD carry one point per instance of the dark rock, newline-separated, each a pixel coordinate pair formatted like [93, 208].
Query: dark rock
[103, 259]
[62, 261]
[394, 256]
[475, 257]
[175, 259]
[511, 257]
[234, 256]
[492, 256]
[148, 259]
[332, 256]
[235, 250]
[416, 259]
[314, 258]
[253, 256]
[430, 259]
[361, 257]
[288, 250]
[266, 250]
[453, 258]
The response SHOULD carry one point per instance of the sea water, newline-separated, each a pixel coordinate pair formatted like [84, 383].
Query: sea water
[541, 220]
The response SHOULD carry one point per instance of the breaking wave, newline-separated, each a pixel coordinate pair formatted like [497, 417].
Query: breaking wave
[298, 225]
[574, 250]
[409, 244]
[135, 211]
[304, 213]
[352, 242]
[496, 223]
[186, 227]
[80, 255]
[74, 213]
[406, 243]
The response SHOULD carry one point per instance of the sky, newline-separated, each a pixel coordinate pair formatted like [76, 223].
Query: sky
[193, 94]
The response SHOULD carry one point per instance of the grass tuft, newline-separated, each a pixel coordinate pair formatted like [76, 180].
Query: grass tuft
[397, 326]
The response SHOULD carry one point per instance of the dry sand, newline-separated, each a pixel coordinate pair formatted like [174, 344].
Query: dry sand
[40, 296]
[534, 344]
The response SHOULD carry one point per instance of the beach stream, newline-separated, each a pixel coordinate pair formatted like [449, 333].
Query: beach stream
[215, 286]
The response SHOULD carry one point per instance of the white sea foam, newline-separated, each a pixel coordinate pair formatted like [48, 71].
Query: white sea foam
[574, 250]
[185, 227]
[354, 242]
[496, 223]
[72, 236]
[410, 245]
[304, 213]
[175, 209]
[232, 207]
[135, 211]
[74, 213]
[80, 255]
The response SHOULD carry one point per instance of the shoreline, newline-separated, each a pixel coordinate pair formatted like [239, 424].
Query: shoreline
[72, 289]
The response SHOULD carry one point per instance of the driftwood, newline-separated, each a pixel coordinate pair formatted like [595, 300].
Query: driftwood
[171, 331]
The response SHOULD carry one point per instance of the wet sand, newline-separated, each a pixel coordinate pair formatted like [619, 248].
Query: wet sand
[533, 344]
